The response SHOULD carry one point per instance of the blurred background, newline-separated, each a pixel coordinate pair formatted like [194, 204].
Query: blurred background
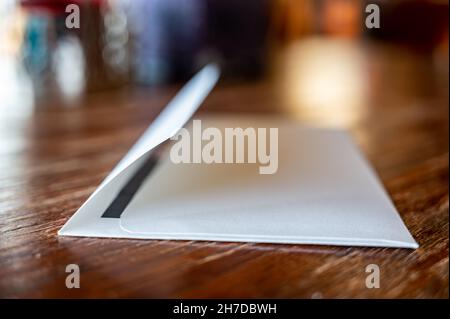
[318, 54]
[313, 59]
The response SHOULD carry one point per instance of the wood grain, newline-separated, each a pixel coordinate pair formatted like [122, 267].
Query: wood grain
[52, 160]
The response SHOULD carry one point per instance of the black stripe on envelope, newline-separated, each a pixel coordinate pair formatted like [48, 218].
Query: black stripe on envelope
[126, 194]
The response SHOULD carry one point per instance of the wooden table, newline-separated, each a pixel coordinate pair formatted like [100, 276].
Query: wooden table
[53, 159]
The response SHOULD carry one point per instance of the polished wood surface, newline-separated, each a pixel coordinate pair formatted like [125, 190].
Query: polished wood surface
[53, 159]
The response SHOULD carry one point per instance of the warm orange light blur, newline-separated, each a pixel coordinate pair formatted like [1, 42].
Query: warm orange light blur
[324, 80]
[342, 18]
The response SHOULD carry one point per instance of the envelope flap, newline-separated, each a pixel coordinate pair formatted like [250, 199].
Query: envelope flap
[168, 123]
[173, 117]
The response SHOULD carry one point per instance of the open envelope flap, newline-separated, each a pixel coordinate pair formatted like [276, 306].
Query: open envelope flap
[86, 221]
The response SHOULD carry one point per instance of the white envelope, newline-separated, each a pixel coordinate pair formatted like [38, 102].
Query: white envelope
[324, 192]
